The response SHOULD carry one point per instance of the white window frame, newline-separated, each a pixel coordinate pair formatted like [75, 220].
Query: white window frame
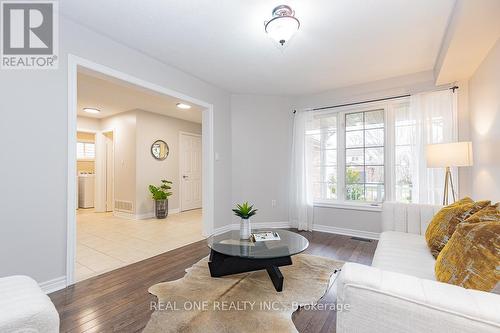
[389, 150]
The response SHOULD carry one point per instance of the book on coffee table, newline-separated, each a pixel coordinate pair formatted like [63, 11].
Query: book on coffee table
[265, 236]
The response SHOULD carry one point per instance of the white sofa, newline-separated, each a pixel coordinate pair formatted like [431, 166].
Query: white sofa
[399, 293]
[24, 307]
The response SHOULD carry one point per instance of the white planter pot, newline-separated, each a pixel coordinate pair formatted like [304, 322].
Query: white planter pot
[245, 229]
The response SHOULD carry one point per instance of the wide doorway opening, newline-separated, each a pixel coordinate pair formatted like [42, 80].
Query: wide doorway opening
[140, 167]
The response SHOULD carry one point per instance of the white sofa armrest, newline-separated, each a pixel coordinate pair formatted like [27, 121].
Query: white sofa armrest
[407, 217]
[24, 307]
[381, 301]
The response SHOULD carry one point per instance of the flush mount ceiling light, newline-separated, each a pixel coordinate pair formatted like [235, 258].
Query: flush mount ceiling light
[91, 110]
[183, 106]
[283, 24]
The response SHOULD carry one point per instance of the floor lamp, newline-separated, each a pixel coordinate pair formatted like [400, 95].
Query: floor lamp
[447, 155]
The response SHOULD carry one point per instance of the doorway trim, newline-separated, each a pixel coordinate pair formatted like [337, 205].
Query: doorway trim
[181, 133]
[74, 62]
[102, 171]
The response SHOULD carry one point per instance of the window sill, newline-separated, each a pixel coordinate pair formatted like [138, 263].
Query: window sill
[349, 205]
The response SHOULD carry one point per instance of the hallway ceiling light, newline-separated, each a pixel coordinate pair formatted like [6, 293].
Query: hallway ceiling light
[283, 24]
[91, 110]
[183, 106]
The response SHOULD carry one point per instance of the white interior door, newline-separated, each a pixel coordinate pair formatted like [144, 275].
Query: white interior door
[110, 166]
[190, 171]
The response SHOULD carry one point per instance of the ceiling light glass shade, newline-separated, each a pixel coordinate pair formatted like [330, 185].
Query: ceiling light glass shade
[283, 25]
[91, 110]
[183, 106]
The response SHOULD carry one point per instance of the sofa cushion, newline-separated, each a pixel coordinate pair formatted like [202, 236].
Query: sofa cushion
[487, 214]
[404, 253]
[471, 258]
[444, 223]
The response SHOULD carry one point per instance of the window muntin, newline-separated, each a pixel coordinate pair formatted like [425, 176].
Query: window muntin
[364, 156]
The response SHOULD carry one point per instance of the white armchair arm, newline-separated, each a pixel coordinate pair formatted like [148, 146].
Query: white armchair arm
[383, 301]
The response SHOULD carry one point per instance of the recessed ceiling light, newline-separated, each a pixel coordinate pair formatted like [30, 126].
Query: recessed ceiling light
[283, 24]
[183, 106]
[91, 110]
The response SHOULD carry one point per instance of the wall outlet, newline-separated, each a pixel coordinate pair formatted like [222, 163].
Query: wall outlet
[273, 203]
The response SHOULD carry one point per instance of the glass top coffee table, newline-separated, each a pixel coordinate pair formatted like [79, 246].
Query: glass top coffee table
[231, 255]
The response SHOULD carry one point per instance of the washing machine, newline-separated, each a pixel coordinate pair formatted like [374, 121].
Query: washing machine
[86, 186]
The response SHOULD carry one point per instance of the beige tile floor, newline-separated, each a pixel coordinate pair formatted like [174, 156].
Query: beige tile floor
[106, 242]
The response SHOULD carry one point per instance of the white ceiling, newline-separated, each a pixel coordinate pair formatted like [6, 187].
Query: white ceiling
[112, 96]
[474, 30]
[340, 42]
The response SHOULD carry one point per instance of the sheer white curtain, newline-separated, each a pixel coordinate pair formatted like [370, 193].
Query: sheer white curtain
[301, 192]
[435, 117]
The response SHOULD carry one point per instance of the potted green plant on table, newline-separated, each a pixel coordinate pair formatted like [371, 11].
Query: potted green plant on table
[160, 195]
[245, 211]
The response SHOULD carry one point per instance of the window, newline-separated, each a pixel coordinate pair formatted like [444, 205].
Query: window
[85, 151]
[364, 156]
[352, 153]
[371, 152]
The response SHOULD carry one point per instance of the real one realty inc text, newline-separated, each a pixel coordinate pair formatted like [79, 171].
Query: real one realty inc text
[244, 306]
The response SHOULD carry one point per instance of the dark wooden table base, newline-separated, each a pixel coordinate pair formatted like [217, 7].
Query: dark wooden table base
[221, 264]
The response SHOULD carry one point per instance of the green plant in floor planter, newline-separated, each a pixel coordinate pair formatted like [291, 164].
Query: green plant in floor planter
[160, 195]
[245, 211]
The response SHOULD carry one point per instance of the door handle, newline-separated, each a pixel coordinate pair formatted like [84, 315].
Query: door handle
[185, 177]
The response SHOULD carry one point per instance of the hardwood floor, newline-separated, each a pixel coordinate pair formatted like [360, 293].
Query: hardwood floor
[118, 301]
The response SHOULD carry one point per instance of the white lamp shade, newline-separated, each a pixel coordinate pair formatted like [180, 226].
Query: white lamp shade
[457, 154]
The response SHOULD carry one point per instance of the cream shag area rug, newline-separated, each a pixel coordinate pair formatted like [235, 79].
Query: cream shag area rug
[245, 302]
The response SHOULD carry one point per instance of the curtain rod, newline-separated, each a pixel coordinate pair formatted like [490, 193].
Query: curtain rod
[369, 101]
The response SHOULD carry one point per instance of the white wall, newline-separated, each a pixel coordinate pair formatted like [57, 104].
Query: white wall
[261, 153]
[261, 147]
[88, 123]
[261, 135]
[484, 104]
[152, 127]
[261, 132]
[464, 184]
[33, 229]
[402, 85]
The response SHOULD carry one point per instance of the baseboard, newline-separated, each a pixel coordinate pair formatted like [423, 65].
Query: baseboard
[223, 229]
[53, 285]
[258, 225]
[316, 227]
[124, 215]
[346, 232]
[269, 225]
[144, 216]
